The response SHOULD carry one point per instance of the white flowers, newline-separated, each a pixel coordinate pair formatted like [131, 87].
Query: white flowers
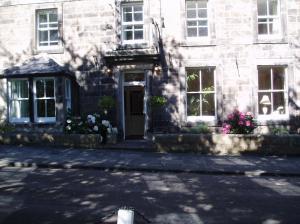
[96, 128]
[105, 123]
[91, 119]
[68, 127]
[69, 121]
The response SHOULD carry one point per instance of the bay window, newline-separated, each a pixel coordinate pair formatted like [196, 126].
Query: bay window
[18, 100]
[44, 100]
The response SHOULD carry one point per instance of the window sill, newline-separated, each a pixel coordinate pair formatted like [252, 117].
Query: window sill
[270, 39]
[204, 119]
[132, 46]
[198, 42]
[55, 50]
[266, 119]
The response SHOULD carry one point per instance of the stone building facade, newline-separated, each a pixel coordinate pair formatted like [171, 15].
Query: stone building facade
[205, 57]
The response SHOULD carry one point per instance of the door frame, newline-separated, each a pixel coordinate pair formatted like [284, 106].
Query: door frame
[135, 83]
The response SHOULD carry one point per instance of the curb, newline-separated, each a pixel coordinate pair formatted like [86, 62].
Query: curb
[256, 173]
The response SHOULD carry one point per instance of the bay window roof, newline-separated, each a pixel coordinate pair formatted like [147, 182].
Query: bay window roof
[36, 66]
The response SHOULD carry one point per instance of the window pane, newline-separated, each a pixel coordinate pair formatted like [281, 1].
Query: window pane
[128, 35]
[53, 35]
[138, 16]
[264, 103]
[278, 78]
[208, 104]
[262, 28]
[51, 108]
[49, 88]
[191, 4]
[138, 35]
[23, 89]
[14, 90]
[202, 4]
[262, 7]
[130, 77]
[203, 31]
[207, 79]
[193, 81]
[53, 17]
[192, 32]
[202, 23]
[264, 78]
[191, 14]
[138, 8]
[193, 104]
[39, 88]
[24, 110]
[192, 23]
[14, 109]
[274, 26]
[273, 6]
[42, 18]
[127, 17]
[41, 108]
[202, 13]
[43, 36]
[127, 9]
[278, 103]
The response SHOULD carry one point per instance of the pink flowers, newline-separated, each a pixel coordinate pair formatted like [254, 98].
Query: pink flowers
[239, 123]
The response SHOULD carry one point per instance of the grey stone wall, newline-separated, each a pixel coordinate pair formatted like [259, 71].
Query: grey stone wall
[90, 28]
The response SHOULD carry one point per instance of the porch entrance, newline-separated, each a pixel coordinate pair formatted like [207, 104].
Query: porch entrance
[134, 105]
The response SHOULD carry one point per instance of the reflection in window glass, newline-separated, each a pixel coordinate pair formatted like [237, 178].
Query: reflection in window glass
[19, 100]
[272, 93]
[200, 92]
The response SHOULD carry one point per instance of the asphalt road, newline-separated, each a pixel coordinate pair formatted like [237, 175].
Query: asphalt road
[45, 196]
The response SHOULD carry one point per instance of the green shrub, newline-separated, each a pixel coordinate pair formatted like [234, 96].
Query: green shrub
[106, 103]
[6, 127]
[279, 131]
[157, 101]
[199, 129]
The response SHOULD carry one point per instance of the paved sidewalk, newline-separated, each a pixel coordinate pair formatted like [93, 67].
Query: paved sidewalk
[44, 157]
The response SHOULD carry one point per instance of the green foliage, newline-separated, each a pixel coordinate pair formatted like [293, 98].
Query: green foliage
[279, 131]
[199, 129]
[106, 103]
[6, 127]
[158, 101]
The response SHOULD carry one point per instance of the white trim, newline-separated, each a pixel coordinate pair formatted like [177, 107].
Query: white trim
[47, 11]
[43, 119]
[198, 38]
[14, 119]
[133, 23]
[275, 117]
[269, 35]
[127, 84]
[201, 118]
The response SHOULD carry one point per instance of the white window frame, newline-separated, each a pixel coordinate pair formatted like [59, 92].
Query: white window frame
[274, 117]
[133, 23]
[201, 118]
[48, 29]
[43, 119]
[14, 119]
[68, 94]
[268, 17]
[197, 19]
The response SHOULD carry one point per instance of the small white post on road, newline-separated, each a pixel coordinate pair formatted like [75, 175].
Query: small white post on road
[125, 216]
